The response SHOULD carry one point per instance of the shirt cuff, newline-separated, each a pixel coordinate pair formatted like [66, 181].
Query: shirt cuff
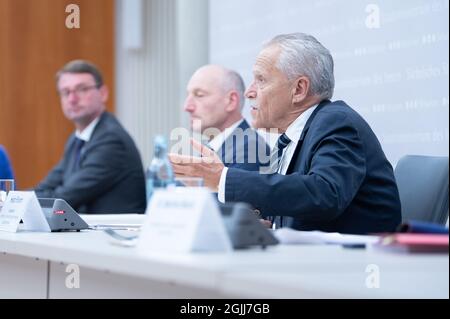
[223, 178]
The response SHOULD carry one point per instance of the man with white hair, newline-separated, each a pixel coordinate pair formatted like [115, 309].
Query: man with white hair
[214, 101]
[328, 171]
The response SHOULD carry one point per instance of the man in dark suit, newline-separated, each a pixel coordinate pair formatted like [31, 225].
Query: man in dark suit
[101, 171]
[328, 171]
[214, 101]
[5, 166]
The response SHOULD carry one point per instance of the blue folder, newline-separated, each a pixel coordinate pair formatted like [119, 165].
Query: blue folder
[414, 226]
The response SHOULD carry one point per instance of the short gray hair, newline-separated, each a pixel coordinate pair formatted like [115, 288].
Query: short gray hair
[233, 81]
[301, 54]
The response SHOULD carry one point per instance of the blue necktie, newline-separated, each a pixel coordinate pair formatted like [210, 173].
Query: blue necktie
[79, 143]
[275, 163]
[277, 152]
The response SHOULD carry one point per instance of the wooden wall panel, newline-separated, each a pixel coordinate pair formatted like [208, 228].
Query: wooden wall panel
[34, 44]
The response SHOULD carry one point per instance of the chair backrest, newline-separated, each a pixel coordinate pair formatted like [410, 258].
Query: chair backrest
[423, 186]
[5, 165]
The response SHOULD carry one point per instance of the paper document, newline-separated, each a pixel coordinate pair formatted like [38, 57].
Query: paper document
[290, 236]
[130, 227]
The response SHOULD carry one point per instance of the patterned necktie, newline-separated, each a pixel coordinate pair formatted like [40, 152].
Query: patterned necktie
[277, 152]
[275, 163]
[79, 143]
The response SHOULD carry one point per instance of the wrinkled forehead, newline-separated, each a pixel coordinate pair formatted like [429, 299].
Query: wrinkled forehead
[267, 60]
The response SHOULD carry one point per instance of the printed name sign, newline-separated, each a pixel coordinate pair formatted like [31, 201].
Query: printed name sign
[22, 206]
[183, 220]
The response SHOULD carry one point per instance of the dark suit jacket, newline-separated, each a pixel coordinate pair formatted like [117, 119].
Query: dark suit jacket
[110, 177]
[5, 166]
[244, 149]
[338, 180]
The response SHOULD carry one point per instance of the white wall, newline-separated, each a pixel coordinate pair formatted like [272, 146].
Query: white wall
[151, 80]
[391, 58]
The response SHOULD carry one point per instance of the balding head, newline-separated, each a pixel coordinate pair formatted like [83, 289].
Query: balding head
[215, 97]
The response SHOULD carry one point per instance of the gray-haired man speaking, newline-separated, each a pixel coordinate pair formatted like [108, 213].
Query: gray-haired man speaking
[331, 172]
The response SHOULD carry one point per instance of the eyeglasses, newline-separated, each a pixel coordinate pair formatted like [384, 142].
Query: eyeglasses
[79, 91]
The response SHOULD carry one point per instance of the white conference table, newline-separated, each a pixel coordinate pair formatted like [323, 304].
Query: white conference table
[39, 265]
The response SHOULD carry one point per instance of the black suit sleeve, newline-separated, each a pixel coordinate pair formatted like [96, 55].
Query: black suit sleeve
[99, 171]
[335, 172]
[51, 182]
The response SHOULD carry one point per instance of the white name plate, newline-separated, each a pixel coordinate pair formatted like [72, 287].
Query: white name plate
[183, 220]
[22, 206]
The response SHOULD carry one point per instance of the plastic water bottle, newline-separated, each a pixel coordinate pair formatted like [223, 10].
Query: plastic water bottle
[159, 173]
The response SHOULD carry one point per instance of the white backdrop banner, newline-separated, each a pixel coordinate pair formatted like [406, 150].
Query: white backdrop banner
[391, 59]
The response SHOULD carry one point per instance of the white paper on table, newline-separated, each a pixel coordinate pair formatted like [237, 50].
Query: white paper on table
[291, 236]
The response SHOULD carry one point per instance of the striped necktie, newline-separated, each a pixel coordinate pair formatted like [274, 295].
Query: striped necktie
[277, 152]
[275, 163]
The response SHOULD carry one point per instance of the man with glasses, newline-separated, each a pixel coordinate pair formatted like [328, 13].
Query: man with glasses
[101, 171]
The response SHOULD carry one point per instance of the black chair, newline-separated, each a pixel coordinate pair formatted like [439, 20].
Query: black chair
[423, 186]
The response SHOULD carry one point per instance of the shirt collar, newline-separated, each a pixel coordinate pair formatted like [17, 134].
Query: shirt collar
[294, 131]
[217, 142]
[86, 134]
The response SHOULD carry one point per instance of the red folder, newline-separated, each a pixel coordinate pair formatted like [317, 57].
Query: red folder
[423, 243]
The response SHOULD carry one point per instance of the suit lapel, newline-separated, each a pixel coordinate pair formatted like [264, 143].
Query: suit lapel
[98, 128]
[70, 151]
[232, 147]
[298, 148]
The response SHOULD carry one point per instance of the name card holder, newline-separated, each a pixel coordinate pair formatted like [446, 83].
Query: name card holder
[23, 206]
[183, 220]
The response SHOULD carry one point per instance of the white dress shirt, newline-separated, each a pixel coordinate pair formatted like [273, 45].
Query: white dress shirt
[86, 134]
[217, 142]
[294, 131]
